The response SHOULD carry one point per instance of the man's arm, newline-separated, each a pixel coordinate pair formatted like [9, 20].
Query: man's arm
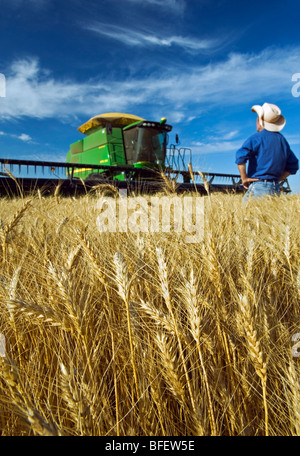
[292, 164]
[245, 179]
[242, 156]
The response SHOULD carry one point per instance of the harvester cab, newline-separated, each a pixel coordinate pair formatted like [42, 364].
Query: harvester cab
[146, 143]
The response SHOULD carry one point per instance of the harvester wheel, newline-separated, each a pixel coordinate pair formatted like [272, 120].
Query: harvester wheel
[99, 178]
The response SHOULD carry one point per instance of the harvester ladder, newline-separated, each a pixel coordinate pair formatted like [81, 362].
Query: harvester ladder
[176, 157]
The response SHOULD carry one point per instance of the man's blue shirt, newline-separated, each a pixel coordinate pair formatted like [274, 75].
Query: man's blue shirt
[268, 155]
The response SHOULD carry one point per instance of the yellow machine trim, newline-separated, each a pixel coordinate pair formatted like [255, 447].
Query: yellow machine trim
[82, 170]
[113, 118]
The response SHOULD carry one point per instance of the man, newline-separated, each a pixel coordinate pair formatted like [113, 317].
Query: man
[268, 153]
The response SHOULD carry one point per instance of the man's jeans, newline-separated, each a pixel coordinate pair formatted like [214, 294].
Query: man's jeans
[261, 188]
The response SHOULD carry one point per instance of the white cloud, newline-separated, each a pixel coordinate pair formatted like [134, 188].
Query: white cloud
[132, 37]
[230, 135]
[213, 147]
[24, 137]
[25, 69]
[226, 143]
[238, 80]
[172, 6]
[219, 136]
[293, 139]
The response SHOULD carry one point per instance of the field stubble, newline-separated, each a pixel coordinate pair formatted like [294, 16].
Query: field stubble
[143, 334]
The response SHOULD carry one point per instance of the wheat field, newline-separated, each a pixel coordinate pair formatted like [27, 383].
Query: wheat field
[142, 334]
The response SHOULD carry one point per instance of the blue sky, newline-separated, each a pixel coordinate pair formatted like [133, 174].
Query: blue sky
[201, 64]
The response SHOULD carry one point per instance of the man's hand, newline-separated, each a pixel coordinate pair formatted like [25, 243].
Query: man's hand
[246, 181]
[284, 175]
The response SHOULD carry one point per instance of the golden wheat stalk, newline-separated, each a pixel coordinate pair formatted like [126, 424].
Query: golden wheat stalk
[22, 402]
[73, 397]
[123, 282]
[163, 274]
[255, 351]
[15, 180]
[171, 364]
[159, 318]
[193, 308]
[298, 282]
[75, 315]
[170, 184]
[205, 182]
[9, 226]
[40, 313]
[190, 331]
[294, 396]
[88, 249]
[190, 168]
[72, 258]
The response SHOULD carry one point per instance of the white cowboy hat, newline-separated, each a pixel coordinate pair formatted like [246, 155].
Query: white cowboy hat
[269, 116]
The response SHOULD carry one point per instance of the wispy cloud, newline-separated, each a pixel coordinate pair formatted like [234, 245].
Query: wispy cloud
[172, 6]
[220, 142]
[293, 139]
[22, 137]
[239, 79]
[230, 135]
[25, 3]
[214, 146]
[130, 37]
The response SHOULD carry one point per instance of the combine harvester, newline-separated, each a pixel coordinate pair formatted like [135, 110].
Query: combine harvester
[119, 149]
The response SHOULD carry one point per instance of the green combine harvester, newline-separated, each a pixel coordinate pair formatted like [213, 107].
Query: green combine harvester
[119, 149]
[120, 140]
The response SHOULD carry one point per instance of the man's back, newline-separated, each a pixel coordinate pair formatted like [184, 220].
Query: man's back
[268, 154]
